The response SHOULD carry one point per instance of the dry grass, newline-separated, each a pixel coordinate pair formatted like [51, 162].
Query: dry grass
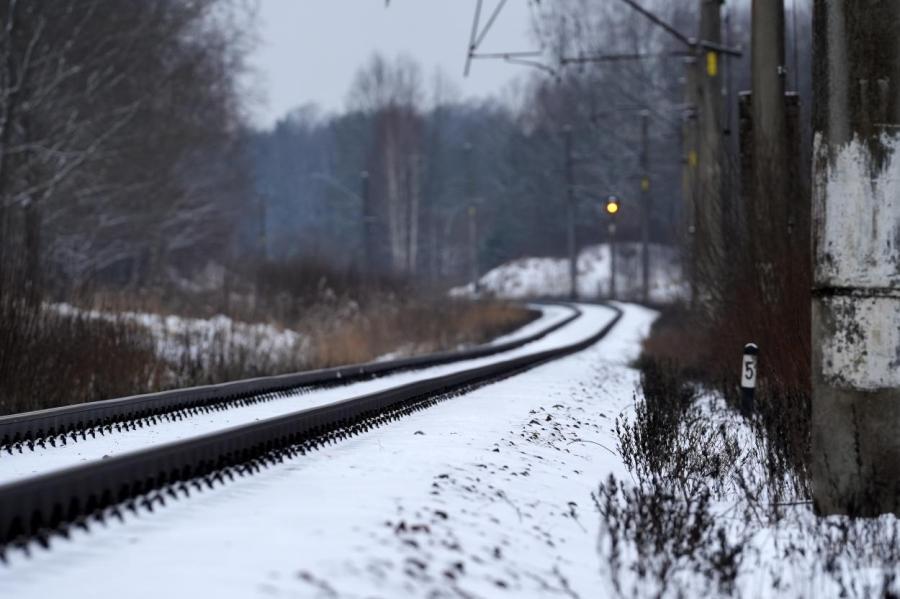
[48, 359]
[412, 328]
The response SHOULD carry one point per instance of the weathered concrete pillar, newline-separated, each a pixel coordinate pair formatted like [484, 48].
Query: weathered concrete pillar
[856, 245]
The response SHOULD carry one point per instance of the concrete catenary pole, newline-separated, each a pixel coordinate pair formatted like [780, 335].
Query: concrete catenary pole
[769, 147]
[646, 207]
[570, 214]
[689, 139]
[856, 246]
[710, 243]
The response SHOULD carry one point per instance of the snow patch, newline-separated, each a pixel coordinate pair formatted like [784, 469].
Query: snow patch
[549, 277]
[178, 339]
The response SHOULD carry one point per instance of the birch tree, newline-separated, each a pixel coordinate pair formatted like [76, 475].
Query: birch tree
[392, 94]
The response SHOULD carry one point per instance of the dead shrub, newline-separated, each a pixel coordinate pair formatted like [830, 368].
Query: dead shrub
[410, 327]
[49, 358]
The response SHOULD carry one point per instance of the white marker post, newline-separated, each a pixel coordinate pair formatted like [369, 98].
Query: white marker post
[748, 377]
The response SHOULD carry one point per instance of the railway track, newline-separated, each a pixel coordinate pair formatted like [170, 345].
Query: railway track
[42, 506]
[62, 425]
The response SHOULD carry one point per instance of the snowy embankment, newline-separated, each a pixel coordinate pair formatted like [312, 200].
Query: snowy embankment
[549, 277]
[485, 494]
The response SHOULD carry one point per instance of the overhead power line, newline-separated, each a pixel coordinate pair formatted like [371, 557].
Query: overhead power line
[478, 34]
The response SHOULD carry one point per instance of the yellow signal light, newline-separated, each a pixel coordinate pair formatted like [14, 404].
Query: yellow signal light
[612, 206]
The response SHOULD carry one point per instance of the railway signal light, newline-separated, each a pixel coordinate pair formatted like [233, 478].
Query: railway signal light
[612, 205]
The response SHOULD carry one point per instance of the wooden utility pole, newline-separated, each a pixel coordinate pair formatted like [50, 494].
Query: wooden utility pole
[856, 246]
[570, 214]
[646, 207]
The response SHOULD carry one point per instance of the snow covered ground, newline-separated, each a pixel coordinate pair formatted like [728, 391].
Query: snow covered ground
[549, 277]
[41, 460]
[487, 494]
[178, 338]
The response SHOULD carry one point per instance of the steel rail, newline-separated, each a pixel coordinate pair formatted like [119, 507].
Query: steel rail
[40, 427]
[48, 504]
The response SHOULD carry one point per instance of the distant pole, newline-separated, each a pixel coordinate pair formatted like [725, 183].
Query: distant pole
[473, 244]
[769, 194]
[612, 209]
[263, 250]
[612, 260]
[731, 164]
[710, 214]
[570, 215]
[367, 260]
[645, 208]
[690, 159]
[473, 216]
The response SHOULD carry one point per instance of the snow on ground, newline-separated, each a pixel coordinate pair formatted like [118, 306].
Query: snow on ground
[549, 277]
[178, 338]
[487, 494]
[41, 460]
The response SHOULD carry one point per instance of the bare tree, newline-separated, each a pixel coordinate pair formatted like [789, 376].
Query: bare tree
[392, 94]
[114, 120]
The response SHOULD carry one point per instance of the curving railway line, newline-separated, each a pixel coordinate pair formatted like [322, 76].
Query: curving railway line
[68, 466]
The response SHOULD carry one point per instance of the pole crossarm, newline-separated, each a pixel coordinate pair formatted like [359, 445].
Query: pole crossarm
[507, 55]
[477, 35]
[721, 49]
[622, 57]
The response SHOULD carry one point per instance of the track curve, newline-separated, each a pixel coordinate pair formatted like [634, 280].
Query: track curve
[38, 507]
[68, 423]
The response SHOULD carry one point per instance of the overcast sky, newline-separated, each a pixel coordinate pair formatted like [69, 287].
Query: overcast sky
[309, 50]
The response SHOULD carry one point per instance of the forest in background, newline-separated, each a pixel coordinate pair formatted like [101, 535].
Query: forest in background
[430, 156]
[119, 131]
[126, 160]
[131, 180]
